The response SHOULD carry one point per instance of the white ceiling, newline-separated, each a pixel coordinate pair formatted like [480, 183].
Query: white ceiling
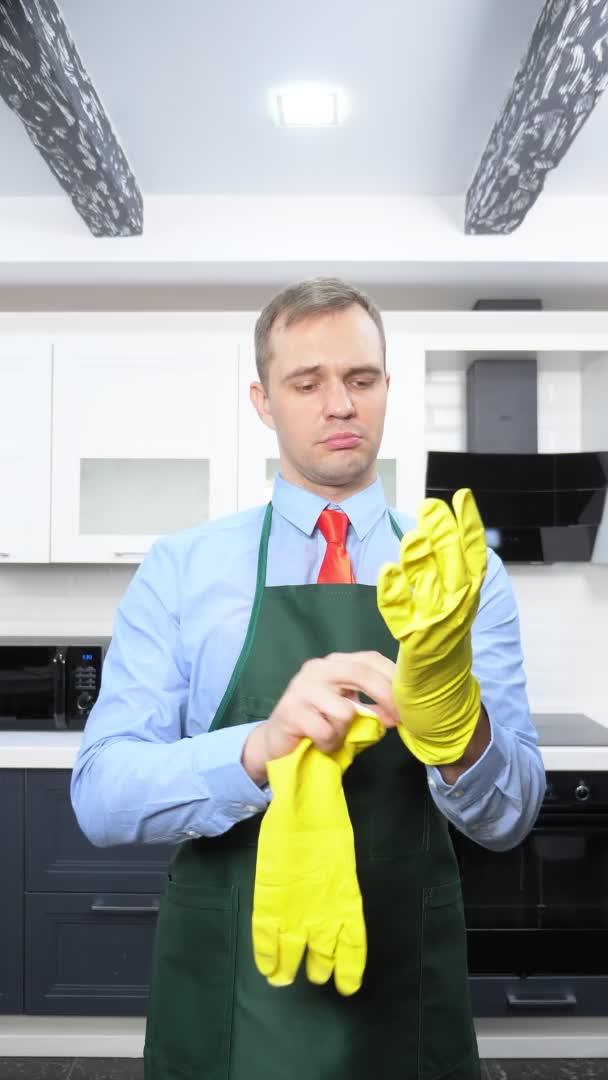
[185, 86]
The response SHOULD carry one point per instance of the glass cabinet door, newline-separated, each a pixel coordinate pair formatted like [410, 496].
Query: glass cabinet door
[145, 441]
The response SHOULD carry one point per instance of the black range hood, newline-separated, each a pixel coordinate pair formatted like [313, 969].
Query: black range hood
[535, 507]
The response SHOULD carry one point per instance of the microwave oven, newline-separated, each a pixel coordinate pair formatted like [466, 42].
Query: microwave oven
[48, 686]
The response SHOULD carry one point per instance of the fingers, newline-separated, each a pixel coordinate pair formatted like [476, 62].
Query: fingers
[437, 522]
[291, 951]
[368, 673]
[419, 565]
[265, 945]
[472, 534]
[351, 955]
[321, 953]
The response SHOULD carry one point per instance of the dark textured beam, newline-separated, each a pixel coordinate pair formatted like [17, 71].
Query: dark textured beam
[556, 87]
[43, 80]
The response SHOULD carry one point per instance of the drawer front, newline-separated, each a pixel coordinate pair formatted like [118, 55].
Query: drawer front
[11, 891]
[60, 858]
[88, 954]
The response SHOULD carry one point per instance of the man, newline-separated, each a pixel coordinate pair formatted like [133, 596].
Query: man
[232, 644]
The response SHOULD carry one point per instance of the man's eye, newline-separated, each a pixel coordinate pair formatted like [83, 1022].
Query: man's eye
[362, 383]
[305, 387]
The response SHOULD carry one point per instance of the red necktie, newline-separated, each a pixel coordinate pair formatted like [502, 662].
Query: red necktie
[336, 567]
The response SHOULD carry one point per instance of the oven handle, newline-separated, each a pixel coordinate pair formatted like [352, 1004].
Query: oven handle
[590, 818]
[59, 688]
[566, 1000]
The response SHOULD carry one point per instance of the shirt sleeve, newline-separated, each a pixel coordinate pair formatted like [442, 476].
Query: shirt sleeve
[136, 778]
[497, 800]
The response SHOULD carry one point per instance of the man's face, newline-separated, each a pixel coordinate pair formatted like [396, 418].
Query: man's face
[326, 399]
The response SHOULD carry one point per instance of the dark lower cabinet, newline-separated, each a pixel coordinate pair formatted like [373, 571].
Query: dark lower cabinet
[77, 922]
[88, 954]
[58, 856]
[11, 890]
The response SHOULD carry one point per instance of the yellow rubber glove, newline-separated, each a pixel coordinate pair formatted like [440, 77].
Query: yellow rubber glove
[306, 893]
[429, 602]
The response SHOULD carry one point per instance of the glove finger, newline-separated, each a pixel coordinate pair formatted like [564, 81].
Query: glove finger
[472, 534]
[351, 954]
[265, 935]
[418, 561]
[365, 730]
[291, 951]
[394, 597]
[437, 522]
[321, 952]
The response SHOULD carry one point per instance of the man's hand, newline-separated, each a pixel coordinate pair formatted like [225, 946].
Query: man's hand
[429, 602]
[319, 704]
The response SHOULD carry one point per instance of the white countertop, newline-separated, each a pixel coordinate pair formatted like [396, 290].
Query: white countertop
[123, 1036]
[57, 750]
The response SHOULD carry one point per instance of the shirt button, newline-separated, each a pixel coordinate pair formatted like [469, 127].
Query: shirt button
[432, 783]
[191, 832]
[458, 793]
[251, 809]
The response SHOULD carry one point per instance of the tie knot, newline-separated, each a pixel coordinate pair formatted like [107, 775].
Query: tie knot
[334, 525]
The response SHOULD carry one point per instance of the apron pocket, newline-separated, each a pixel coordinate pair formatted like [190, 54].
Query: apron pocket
[189, 1019]
[447, 1035]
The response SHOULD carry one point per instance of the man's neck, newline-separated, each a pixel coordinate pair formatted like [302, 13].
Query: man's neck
[331, 493]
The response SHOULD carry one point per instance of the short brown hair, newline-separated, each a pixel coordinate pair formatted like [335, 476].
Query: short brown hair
[298, 302]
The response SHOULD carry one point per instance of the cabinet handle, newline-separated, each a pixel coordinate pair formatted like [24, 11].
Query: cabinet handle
[127, 909]
[565, 1000]
[137, 554]
[5, 554]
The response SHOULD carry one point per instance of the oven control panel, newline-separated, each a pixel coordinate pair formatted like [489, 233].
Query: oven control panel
[567, 790]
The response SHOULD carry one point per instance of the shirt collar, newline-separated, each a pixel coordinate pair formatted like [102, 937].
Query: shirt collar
[302, 507]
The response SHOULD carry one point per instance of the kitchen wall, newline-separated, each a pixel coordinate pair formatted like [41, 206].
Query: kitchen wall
[563, 608]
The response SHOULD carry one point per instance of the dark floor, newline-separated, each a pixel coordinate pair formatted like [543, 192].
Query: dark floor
[132, 1069]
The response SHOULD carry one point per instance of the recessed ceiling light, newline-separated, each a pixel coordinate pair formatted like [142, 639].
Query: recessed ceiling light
[309, 105]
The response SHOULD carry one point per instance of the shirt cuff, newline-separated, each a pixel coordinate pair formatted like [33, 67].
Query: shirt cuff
[464, 795]
[216, 763]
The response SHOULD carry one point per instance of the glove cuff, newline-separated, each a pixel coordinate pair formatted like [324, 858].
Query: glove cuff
[445, 743]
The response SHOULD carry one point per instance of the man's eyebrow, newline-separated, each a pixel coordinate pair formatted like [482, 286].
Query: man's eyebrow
[357, 369]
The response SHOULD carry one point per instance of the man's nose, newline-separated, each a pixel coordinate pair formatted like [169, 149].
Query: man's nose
[338, 401]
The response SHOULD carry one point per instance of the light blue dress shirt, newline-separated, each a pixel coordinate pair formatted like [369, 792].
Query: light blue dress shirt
[148, 769]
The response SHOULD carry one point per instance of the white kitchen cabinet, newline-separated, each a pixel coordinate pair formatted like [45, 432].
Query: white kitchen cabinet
[144, 441]
[25, 449]
[401, 461]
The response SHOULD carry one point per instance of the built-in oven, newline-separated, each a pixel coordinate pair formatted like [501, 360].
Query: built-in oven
[48, 685]
[537, 915]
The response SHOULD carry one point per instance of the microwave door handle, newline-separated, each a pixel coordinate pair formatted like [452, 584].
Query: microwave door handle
[566, 1000]
[59, 688]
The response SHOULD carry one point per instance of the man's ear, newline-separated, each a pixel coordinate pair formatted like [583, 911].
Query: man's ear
[261, 404]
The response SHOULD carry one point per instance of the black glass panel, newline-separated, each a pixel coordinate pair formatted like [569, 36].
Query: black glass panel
[582, 470]
[568, 543]
[516, 545]
[515, 508]
[584, 507]
[490, 472]
[26, 685]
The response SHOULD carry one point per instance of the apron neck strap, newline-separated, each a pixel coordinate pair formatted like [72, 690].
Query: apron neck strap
[397, 531]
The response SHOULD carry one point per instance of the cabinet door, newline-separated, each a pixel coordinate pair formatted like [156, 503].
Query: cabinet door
[11, 891]
[25, 450]
[89, 953]
[401, 461]
[144, 441]
[59, 858]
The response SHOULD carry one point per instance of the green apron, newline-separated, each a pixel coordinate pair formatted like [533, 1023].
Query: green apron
[211, 1015]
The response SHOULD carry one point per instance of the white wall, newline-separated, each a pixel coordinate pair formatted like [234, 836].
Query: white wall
[563, 608]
